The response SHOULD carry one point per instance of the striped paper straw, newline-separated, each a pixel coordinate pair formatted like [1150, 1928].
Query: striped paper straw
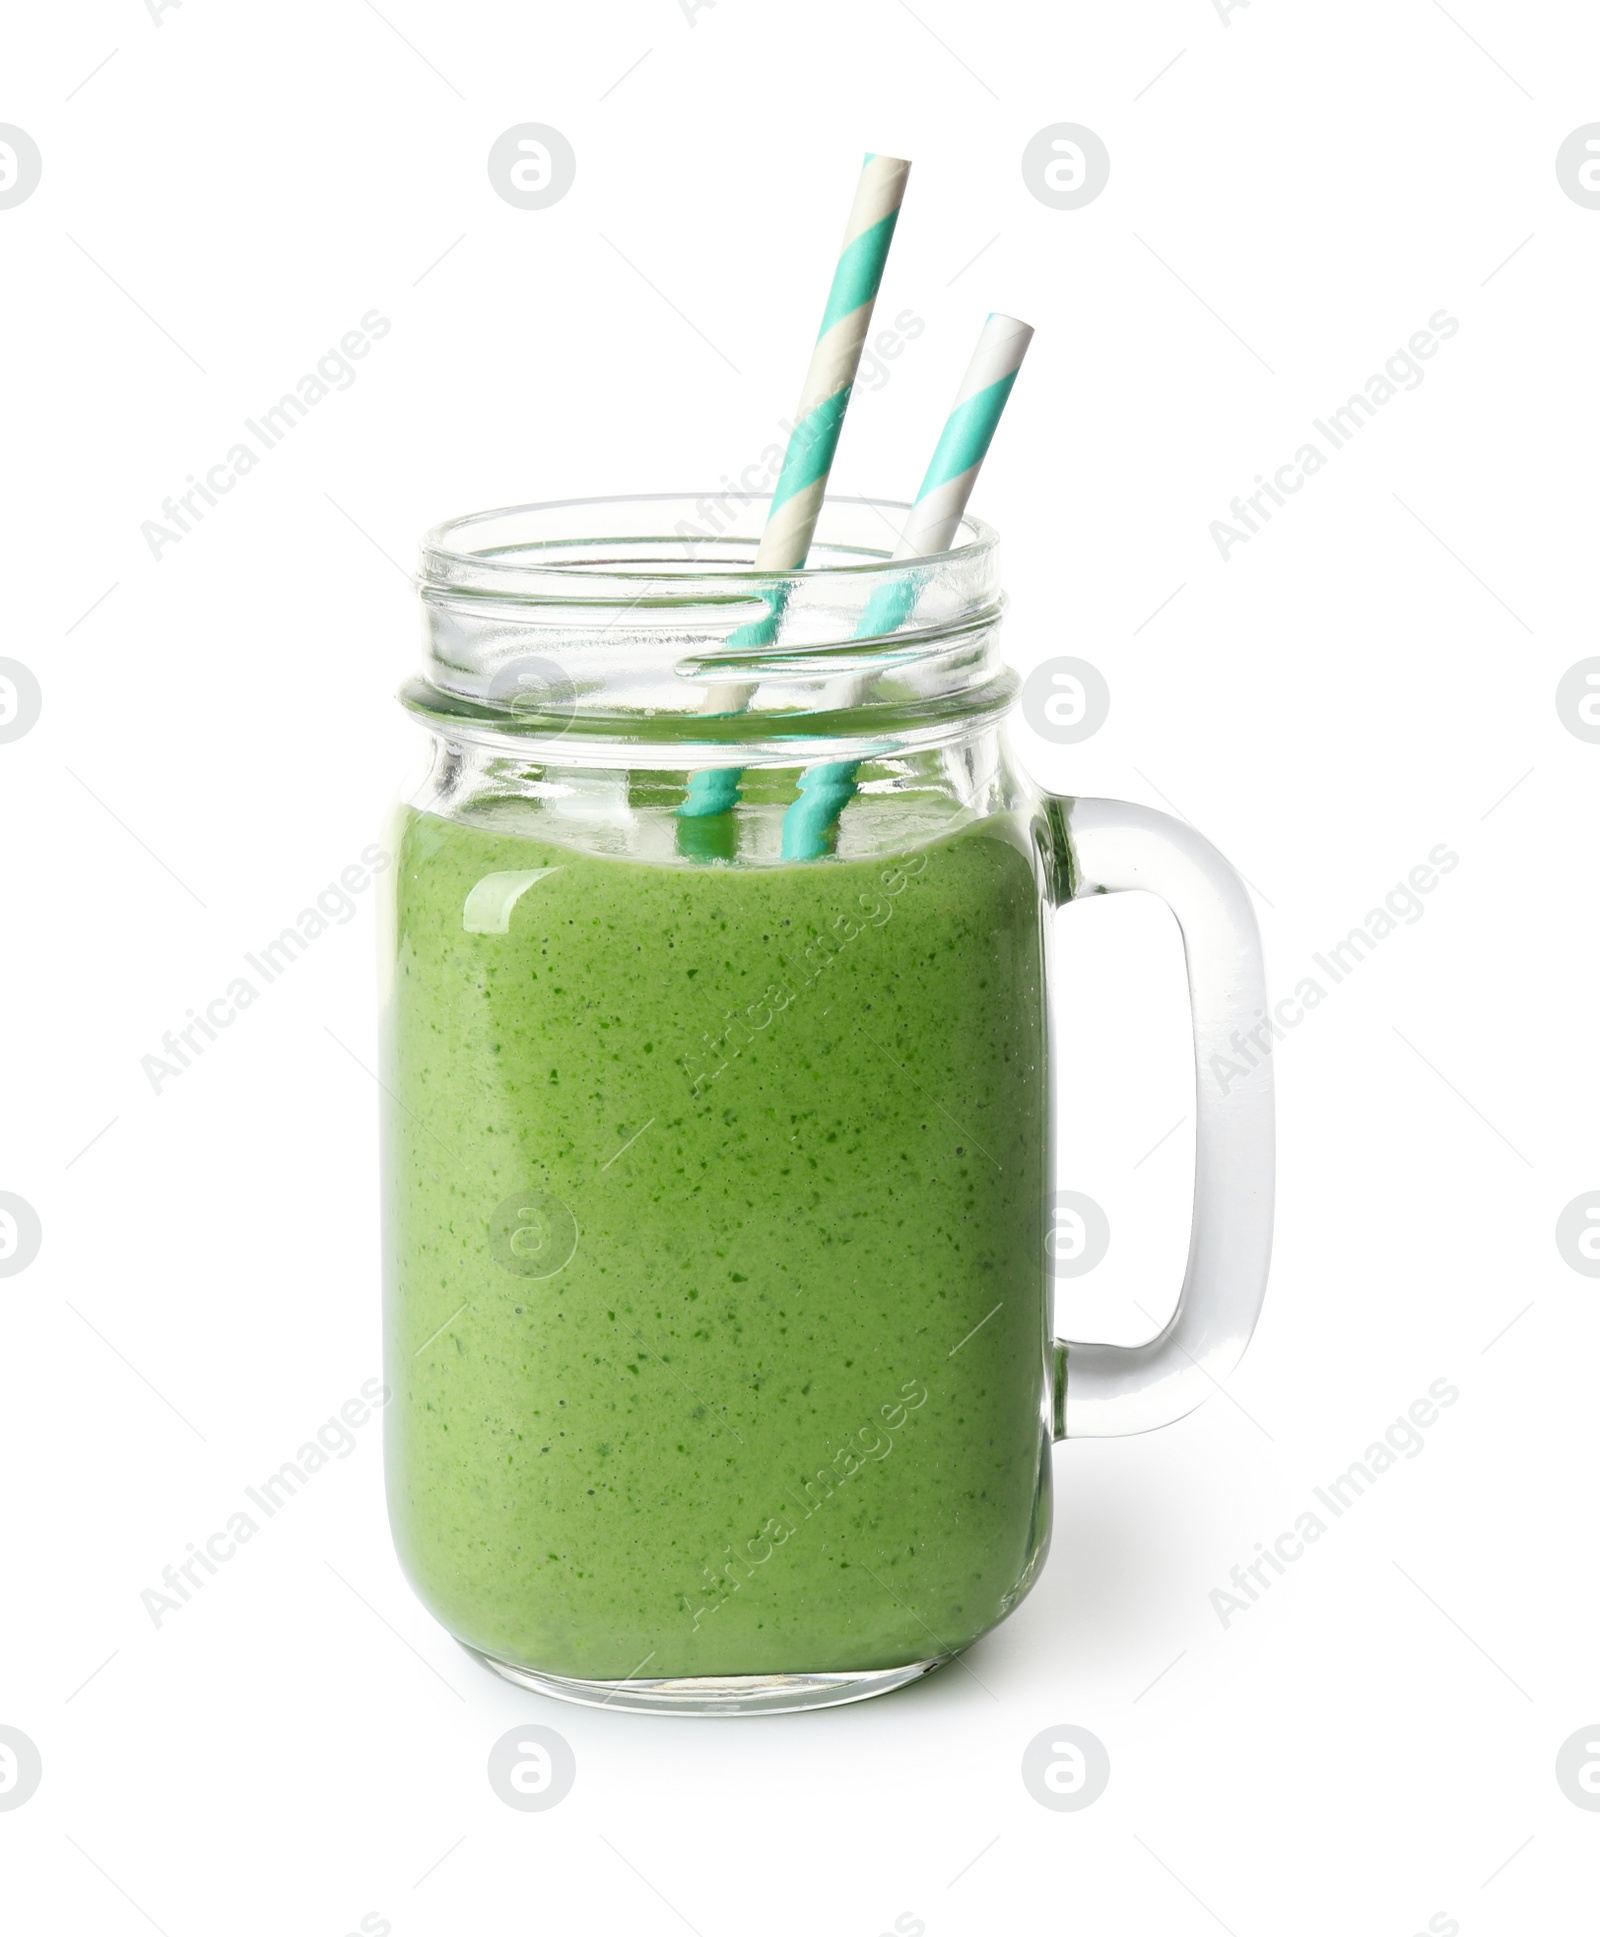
[797, 498]
[935, 519]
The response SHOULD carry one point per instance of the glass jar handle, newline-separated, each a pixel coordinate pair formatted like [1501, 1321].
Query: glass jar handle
[1104, 847]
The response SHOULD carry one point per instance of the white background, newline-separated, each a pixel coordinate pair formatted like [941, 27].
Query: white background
[1371, 1744]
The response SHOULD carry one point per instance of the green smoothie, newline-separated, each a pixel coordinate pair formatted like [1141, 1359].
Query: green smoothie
[716, 1321]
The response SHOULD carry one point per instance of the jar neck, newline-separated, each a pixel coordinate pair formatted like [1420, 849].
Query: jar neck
[614, 801]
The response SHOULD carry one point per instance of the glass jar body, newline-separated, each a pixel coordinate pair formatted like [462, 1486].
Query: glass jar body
[717, 1310]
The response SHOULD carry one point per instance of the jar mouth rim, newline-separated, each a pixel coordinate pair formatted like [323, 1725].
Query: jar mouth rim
[445, 555]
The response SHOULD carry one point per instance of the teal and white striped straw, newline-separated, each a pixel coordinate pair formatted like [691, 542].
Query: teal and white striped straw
[935, 519]
[797, 498]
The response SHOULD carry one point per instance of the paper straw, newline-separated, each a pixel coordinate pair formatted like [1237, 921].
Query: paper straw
[932, 526]
[798, 497]
[824, 398]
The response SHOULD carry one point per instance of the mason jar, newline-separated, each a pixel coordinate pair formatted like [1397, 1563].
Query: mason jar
[720, 1205]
